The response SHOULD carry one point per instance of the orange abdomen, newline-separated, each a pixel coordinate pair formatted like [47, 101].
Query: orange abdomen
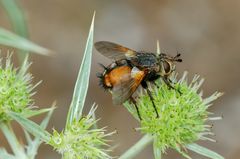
[116, 75]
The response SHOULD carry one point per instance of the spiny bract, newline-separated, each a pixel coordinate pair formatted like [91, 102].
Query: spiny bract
[15, 88]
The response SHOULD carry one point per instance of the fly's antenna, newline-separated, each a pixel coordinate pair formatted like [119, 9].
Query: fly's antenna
[177, 57]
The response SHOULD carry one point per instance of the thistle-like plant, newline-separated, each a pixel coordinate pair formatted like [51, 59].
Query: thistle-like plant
[183, 113]
[16, 89]
[182, 118]
[81, 140]
[16, 100]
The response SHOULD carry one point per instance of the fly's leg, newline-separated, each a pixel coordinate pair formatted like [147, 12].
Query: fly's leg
[135, 104]
[151, 98]
[155, 84]
[168, 83]
[144, 85]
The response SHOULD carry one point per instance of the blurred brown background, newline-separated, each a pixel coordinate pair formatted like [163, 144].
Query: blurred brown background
[207, 33]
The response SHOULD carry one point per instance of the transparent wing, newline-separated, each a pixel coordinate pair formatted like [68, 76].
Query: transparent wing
[114, 51]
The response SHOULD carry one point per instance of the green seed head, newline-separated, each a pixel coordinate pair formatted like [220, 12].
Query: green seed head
[15, 89]
[80, 140]
[182, 116]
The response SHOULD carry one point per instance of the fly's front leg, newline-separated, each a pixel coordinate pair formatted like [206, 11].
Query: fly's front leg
[168, 83]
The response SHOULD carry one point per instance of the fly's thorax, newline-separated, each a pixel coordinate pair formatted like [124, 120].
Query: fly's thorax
[144, 60]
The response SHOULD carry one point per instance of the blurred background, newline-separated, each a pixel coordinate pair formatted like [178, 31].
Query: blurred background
[207, 33]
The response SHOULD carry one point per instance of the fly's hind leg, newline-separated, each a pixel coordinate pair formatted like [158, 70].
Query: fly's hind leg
[135, 104]
[144, 85]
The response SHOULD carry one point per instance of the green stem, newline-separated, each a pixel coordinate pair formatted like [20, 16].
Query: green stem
[137, 148]
[156, 151]
[16, 147]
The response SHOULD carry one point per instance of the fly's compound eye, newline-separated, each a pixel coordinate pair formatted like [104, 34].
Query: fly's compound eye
[166, 66]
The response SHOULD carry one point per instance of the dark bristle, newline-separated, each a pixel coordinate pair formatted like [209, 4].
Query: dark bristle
[104, 67]
[101, 81]
[141, 51]
[100, 84]
[163, 54]
[99, 75]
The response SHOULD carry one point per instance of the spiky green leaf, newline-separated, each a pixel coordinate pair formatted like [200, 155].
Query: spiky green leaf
[81, 86]
[204, 151]
[34, 145]
[30, 126]
[10, 39]
[18, 20]
[16, 16]
[5, 155]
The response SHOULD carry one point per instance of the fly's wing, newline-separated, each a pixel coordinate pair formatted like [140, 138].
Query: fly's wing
[114, 51]
[127, 85]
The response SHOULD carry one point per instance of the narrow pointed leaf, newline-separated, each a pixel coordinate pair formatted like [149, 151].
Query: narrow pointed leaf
[10, 39]
[31, 113]
[30, 126]
[5, 155]
[45, 121]
[17, 18]
[204, 151]
[24, 67]
[12, 139]
[81, 86]
[28, 137]
[33, 147]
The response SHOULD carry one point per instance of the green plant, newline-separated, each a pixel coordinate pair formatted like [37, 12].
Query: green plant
[80, 139]
[18, 40]
[182, 118]
[16, 102]
[181, 122]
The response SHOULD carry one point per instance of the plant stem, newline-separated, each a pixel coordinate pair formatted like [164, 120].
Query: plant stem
[16, 147]
[156, 151]
[138, 147]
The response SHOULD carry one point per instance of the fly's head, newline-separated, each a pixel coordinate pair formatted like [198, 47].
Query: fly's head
[167, 63]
